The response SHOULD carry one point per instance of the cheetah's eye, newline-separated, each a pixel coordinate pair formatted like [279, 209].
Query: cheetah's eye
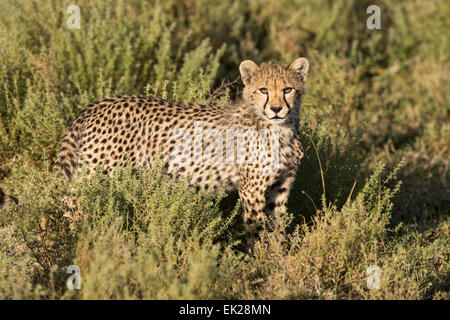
[287, 90]
[264, 90]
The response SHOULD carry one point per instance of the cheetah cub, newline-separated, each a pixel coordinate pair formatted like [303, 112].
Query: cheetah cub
[252, 145]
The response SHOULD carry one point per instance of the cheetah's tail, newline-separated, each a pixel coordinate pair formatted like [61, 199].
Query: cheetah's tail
[66, 163]
[67, 160]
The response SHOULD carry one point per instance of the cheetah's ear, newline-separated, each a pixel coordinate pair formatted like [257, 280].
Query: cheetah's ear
[248, 69]
[301, 66]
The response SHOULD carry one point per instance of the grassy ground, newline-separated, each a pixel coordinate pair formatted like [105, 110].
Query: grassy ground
[372, 190]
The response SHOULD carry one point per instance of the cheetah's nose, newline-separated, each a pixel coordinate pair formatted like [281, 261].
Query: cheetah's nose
[276, 109]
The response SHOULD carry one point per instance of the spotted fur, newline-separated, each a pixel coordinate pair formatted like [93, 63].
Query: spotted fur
[135, 130]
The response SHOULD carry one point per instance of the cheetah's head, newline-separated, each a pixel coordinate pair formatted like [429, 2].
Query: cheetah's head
[274, 90]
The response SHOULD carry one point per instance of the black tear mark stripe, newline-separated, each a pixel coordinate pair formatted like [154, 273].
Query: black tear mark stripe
[285, 101]
[265, 103]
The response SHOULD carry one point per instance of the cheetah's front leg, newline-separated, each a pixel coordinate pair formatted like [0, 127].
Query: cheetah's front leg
[278, 195]
[276, 201]
[253, 204]
[253, 193]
